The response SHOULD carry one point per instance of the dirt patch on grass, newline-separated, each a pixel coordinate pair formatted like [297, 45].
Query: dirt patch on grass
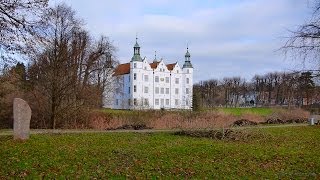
[244, 122]
[131, 127]
[223, 134]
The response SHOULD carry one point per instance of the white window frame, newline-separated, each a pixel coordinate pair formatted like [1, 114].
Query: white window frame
[167, 90]
[176, 102]
[167, 102]
[167, 80]
[177, 80]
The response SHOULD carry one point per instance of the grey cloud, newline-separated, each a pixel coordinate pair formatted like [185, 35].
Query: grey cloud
[224, 40]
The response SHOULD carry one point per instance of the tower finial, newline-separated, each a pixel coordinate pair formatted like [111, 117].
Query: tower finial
[187, 46]
[136, 37]
[155, 56]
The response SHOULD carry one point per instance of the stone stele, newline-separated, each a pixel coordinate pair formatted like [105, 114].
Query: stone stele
[21, 119]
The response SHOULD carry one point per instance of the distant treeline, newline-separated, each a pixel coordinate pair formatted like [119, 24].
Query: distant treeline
[271, 89]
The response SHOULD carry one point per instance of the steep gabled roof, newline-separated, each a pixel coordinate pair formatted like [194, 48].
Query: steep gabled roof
[154, 65]
[122, 69]
[171, 66]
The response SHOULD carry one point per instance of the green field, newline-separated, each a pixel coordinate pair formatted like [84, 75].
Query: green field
[286, 152]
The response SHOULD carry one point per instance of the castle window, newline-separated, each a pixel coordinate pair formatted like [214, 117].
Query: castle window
[187, 80]
[162, 102]
[146, 89]
[177, 80]
[167, 90]
[129, 90]
[135, 101]
[176, 102]
[177, 91]
[135, 65]
[146, 102]
[129, 102]
[162, 91]
[187, 102]
[167, 79]
[156, 79]
[177, 71]
[135, 76]
[187, 90]
[145, 68]
[146, 78]
[157, 90]
[117, 102]
[167, 102]
[134, 88]
[156, 101]
[188, 71]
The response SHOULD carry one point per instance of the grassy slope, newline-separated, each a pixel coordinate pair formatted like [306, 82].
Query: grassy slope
[279, 152]
[241, 111]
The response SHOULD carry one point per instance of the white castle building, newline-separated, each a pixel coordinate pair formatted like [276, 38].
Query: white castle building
[140, 84]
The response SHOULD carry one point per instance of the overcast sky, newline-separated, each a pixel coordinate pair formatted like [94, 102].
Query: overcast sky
[226, 37]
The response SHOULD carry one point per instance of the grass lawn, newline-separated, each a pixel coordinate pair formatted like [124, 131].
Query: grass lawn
[288, 152]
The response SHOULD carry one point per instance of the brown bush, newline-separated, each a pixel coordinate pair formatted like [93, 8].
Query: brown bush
[252, 117]
[288, 116]
[179, 119]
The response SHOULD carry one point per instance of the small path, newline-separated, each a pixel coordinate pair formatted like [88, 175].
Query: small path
[7, 132]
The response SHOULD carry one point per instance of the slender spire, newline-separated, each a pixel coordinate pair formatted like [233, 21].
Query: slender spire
[155, 56]
[136, 37]
[187, 55]
[136, 45]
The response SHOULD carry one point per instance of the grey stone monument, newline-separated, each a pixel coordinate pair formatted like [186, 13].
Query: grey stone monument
[21, 119]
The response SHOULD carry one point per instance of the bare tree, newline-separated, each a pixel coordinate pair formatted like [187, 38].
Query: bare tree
[71, 70]
[304, 42]
[19, 25]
